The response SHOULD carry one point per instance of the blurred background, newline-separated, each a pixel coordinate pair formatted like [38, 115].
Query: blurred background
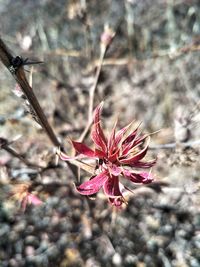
[151, 74]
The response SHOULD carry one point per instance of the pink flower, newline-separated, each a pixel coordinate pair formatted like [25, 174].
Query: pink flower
[21, 193]
[118, 156]
[30, 199]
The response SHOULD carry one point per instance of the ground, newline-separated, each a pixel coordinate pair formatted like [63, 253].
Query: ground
[150, 74]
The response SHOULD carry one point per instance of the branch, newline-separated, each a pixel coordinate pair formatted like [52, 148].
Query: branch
[19, 75]
[20, 78]
[4, 144]
[106, 40]
[173, 145]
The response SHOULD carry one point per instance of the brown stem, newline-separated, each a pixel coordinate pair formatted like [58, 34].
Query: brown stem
[27, 90]
[4, 144]
[91, 96]
[19, 75]
[25, 161]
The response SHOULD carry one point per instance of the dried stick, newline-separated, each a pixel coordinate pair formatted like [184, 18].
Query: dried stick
[19, 75]
[20, 78]
[4, 144]
[173, 145]
[106, 39]
[91, 97]
[159, 54]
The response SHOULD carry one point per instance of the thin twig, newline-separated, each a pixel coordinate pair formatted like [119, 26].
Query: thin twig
[4, 144]
[91, 97]
[157, 54]
[106, 40]
[19, 75]
[20, 78]
[173, 145]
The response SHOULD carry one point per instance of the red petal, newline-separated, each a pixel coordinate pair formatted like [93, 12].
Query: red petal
[142, 177]
[111, 141]
[83, 149]
[30, 199]
[117, 202]
[111, 187]
[145, 165]
[148, 178]
[115, 170]
[98, 137]
[97, 112]
[97, 134]
[99, 154]
[128, 146]
[114, 157]
[33, 199]
[136, 157]
[94, 185]
[121, 132]
[132, 135]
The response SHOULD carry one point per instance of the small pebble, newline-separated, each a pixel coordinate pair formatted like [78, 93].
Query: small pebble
[117, 259]
[29, 251]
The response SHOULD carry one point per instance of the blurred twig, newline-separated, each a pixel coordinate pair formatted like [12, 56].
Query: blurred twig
[20, 78]
[91, 97]
[4, 144]
[158, 54]
[19, 75]
[106, 39]
[173, 145]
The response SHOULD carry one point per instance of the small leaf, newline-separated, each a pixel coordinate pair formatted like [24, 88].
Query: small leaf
[83, 149]
[93, 185]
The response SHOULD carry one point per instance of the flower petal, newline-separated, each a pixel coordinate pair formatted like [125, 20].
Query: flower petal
[99, 154]
[115, 170]
[111, 141]
[138, 156]
[98, 137]
[111, 187]
[30, 199]
[131, 136]
[143, 164]
[148, 178]
[33, 199]
[117, 201]
[97, 134]
[97, 113]
[93, 185]
[142, 177]
[120, 134]
[83, 149]
[114, 157]
[138, 140]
